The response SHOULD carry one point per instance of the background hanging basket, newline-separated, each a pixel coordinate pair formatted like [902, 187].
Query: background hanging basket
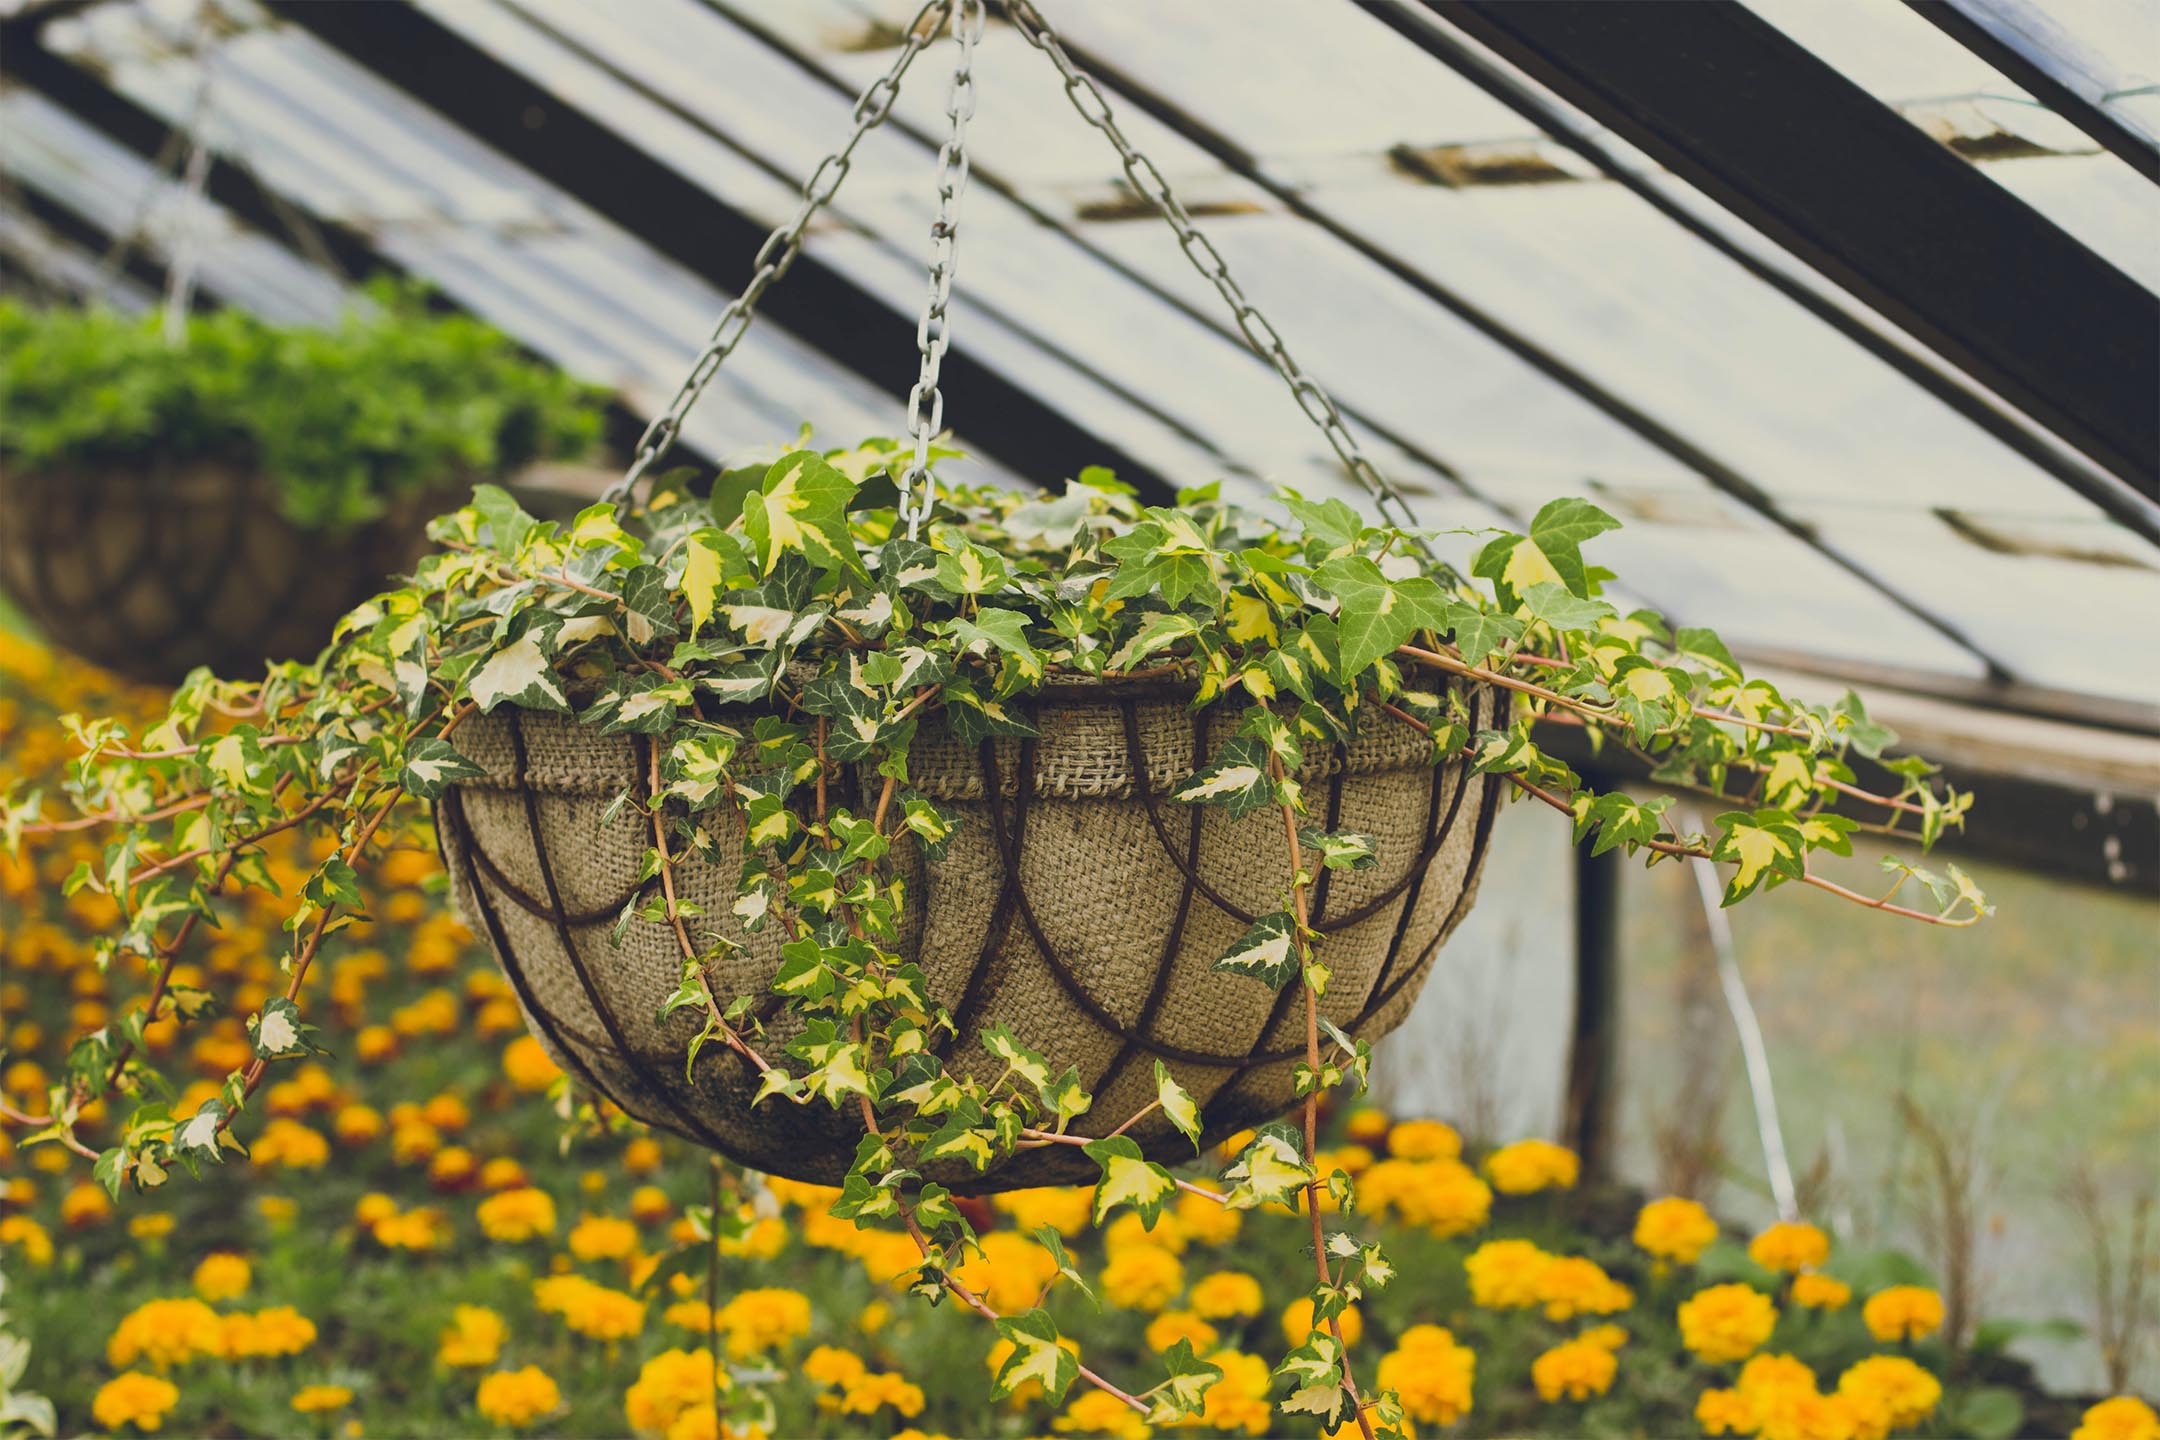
[1078, 905]
[152, 570]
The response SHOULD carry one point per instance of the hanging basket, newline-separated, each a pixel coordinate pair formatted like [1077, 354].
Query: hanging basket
[1078, 906]
[153, 570]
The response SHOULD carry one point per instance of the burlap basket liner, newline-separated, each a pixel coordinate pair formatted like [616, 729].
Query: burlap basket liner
[151, 571]
[1077, 906]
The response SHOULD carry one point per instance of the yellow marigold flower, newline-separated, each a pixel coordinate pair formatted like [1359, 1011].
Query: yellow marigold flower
[589, 1309]
[154, 1226]
[1575, 1370]
[1238, 1401]
[833, 1367]
[1367, 1126]
[690, 1315]
[134, 1399]
[1675, 1229]
[603, 1237]
[1172, 1326]
[358, 1125]
[1570, 1285]
[1724, 1412]
[1819, 1292]
[372, 1209]
[420, 1229]
[879, 1389]
[278, 1210]
[1797, 1412]
[668, 1384]
[1066, 1209]
[292, 1145]
[873, 1317]
[1099, 1413]
[22, 1233]
[278, 1331]
[472, 1339]
[1528, 1166]
[1129, 1229]
[2124, 1417]
[1142, 1277]
[502, 1173]
[165, 1333]
[452, 1168]
[1894, 1388]
[1903, 1312]
[1506, 1274]
[1226, 1295]
[375, 1044]
[1430, 1374]
[888, 1257]
[1443, 1196]
[414, 1142]
[1424, 1140]
[314, 1399]
[1789, 1247]
[761, 1321]
[1297, 1322]
[446, 1112]
[222, 1276]
[649, 1203]
[811, 1199]
[519, 1215]
[766, 1237]
[1726, 1322]
[86, 1204]
[642, 1155]
[1010, 1273]
[527, 1065]
[1204, 1221]
[517, 1398]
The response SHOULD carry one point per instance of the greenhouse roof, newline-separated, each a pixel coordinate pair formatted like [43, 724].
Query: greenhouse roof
[1859, 296]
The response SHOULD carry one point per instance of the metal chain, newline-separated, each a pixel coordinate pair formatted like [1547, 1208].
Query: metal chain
[926, 403]
[1147, 180]
[780, 249]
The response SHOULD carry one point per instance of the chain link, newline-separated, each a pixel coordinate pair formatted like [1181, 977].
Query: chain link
[781, 247]
[926, 403]
[1147, 180]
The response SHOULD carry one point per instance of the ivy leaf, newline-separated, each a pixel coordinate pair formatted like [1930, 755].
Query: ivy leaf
[1177, 1106]
[1029, 1066]
[1478, 633]
[1621, 819]
[518, 674]
[701, 577]
[1036, 1355]
[1236, 778]
[995, 629]
[1157, 631]
[279, 1032]
[1128, 1179]
[1184, 1394]
[1267, 952]
[969, 569]
[1766, 845]
[1552, 551]
[1378, 614]
[1343, 850]
[803, 508]
[1067, 1267]
[1560, 608]
[432, 766]
[1270, 1169]
[1331, 522]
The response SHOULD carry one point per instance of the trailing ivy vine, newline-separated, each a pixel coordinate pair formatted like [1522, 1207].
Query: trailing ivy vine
[792, 591]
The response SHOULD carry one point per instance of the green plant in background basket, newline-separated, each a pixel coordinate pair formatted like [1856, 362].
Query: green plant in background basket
[790, 813]
[217, 489]
[392, 401]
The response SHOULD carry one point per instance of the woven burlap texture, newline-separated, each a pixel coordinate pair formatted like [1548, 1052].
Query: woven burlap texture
[151, 571]
[1076, 958]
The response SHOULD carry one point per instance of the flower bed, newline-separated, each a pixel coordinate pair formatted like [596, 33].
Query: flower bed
[421, 1243]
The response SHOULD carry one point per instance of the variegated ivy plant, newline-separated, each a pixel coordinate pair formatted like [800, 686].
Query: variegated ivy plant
[790, 585]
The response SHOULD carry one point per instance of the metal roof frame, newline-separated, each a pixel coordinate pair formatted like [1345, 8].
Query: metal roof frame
[1726, 101]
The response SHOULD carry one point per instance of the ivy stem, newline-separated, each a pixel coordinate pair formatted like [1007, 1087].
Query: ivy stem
[66, 1136]
[1702, 852]
[1299, 883]
[728, 1036]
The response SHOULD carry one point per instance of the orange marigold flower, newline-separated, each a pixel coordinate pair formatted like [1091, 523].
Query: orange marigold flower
[1903, 1312]
[517, 1399]
[1675, 1229]
[1726, 1322]
[1789, 1247]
